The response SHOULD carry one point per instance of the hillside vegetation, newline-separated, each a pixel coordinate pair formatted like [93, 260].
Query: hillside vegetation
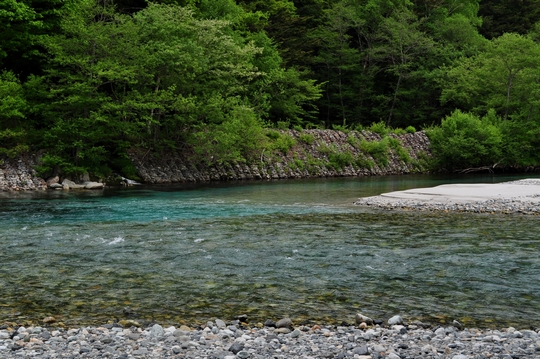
[86, 81]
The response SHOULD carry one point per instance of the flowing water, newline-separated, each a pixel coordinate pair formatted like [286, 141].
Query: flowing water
[298, 248]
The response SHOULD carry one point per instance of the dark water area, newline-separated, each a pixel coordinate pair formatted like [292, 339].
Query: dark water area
[298, 248]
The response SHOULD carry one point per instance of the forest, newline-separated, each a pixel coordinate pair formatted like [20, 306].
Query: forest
[83, 81]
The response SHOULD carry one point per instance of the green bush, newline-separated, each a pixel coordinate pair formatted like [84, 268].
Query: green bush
[464, 140]
[313, 164]
[280, 141]
[353, 141]
[341, 128]
[273, 135]
[377, 149]
[239, 137]
[283, 125]
[362, 161]
[307, 138]
[410, 129]
[398, 148]
[327, 149]
[339, 160]
[380, 128]
[297, 164]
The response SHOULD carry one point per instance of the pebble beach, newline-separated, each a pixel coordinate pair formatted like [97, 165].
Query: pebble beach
[446, 201]
[217, 339]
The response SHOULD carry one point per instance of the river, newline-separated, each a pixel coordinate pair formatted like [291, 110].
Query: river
[297, 248]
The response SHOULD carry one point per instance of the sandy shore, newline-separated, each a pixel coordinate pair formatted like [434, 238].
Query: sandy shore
[521, 197]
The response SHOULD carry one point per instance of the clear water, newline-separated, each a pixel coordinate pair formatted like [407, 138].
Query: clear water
[184, 254]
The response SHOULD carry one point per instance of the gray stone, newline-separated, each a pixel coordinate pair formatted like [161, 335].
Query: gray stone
[68, 182]
[157, 331]
[460, 356]
[93, 185]
[295, 333]
[270, 323]
[440, 332]
[396, 319]
[363, 350]
[360, 318]
[220, 324]
[53, 180]
[284, 323]
[140, 351]
[236, 347]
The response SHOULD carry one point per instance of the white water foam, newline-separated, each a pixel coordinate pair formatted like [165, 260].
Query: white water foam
[198, 240]
[116, 240]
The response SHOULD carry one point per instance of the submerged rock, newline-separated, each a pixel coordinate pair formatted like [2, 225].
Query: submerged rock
[360, 318]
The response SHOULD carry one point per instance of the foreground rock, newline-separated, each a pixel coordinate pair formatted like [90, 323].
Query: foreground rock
[237, 340]
[517, 197]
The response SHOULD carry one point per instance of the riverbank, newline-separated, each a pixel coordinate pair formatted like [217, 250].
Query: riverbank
[517, 197]
[314, 153]
[393, 339]
[311, 154]
[19, 174]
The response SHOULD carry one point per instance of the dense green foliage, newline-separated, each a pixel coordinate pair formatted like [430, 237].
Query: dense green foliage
[86, 80]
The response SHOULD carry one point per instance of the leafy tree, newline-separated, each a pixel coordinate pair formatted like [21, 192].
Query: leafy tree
[402, 45]
[21, 23]
[13, 106]
[504, 77]
[508, 16]
[161, 77]
[464, 140]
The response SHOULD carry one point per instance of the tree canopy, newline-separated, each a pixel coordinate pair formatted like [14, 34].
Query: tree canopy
[85, 80]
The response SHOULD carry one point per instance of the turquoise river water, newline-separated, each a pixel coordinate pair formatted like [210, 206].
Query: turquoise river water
[298, 248]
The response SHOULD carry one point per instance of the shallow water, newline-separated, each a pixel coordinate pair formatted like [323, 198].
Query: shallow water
[184, 254]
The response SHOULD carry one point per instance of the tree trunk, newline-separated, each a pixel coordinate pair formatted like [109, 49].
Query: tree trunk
[394, 101]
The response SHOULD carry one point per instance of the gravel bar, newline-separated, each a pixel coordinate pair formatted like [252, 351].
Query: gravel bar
[367, 339]
[516, 197]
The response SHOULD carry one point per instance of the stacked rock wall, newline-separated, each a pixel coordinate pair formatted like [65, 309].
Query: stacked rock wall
[305, 159]
[19, 174]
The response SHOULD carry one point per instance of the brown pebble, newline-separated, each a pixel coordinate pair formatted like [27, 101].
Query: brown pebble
[316, 327]
[49, 320]
[363, 325]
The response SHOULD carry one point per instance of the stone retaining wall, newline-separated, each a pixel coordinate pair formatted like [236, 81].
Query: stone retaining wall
[19, 175]
[302, 161]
